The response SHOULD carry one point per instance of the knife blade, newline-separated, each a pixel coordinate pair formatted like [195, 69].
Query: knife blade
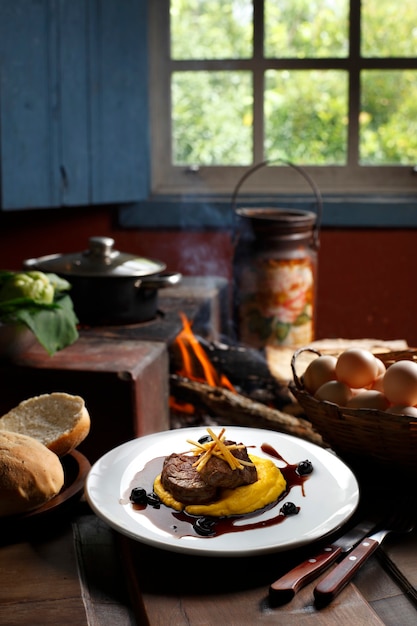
[284, 588]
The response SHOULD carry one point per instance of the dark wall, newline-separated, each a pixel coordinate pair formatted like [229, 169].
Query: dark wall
[367, 283]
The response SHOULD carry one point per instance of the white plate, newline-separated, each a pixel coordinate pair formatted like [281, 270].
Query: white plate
[331, 493]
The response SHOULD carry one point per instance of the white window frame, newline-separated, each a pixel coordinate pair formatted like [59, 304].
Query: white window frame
[350, 180]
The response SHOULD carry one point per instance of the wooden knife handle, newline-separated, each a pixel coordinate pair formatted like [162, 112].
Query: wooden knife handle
[332, 584]
[284, 589]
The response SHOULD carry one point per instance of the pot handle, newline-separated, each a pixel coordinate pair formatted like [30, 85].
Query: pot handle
[161, 280]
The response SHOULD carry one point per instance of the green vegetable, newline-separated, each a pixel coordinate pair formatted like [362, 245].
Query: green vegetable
[39, 301]
[33, 285]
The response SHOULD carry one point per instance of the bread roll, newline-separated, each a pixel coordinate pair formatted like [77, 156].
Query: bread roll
[58, 420]
[30, 474]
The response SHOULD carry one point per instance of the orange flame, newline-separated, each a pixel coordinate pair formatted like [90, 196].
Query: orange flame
[195, 364]
[194, 357]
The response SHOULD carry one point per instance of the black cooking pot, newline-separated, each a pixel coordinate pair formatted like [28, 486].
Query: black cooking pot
[108, 286]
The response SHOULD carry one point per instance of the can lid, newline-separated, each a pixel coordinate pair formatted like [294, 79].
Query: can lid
[285, 221]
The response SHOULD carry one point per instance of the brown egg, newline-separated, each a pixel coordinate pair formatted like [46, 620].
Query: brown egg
[378, 383]
[318, 372]
[334, 391]
[396, 409]
[356, 368]
[381, 366]
[400, 383]
[368, 399]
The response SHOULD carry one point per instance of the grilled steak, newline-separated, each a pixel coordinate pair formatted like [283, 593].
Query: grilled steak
[182, 480]
[218, 473]
[189, 486]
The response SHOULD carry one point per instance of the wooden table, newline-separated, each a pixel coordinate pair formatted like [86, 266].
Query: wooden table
[75, 570]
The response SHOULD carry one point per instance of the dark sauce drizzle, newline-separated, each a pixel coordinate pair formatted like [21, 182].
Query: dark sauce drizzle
[182, 524]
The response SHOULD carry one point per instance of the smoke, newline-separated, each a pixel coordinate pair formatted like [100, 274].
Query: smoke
[205, 258]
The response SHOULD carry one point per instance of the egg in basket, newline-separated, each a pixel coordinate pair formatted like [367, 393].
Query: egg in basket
[364, 405]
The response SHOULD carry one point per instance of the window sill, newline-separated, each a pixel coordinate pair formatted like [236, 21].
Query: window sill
[217, 212]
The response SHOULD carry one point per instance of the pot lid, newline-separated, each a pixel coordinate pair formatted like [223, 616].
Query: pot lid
[100, 259]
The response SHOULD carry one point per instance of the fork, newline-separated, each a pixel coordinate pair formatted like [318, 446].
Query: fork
[402, 520]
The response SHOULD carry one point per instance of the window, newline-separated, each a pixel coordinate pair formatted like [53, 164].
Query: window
[330, 85]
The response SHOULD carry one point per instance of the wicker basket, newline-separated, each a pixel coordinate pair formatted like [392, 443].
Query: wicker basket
[362, 436]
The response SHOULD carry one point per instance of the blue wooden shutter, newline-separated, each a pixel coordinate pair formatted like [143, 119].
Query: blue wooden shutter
[119, 100]
[28, 139]
[70, 46]
[73, 102]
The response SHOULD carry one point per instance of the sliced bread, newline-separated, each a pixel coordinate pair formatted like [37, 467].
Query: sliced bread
[58, 420]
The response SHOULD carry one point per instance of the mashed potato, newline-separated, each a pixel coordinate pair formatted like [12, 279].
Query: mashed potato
[245, 499]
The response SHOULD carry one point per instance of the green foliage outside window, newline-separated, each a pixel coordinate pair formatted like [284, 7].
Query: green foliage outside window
[305, 111]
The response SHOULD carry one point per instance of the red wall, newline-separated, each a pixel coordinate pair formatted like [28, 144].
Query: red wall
[367, 279]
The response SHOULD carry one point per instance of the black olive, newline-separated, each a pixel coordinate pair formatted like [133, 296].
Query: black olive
[289, 508]
[138, 495]
[205, 439]
[204, 526]
[153, 500]
[304, 468]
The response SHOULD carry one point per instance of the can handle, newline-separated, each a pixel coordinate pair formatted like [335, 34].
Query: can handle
[307, 177]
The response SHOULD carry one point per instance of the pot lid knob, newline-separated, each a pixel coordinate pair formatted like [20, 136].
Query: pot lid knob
[101, 248]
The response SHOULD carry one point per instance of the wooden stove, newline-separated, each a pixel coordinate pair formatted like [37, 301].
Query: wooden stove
[122, 372]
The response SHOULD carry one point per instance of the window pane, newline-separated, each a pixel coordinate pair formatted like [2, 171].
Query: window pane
[306, 28]
[212, 118]
[211, 29]
[306, 116]
[389, 28]
[388, 118]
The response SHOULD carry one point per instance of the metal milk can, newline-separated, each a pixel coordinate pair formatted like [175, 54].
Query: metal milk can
[275, 271]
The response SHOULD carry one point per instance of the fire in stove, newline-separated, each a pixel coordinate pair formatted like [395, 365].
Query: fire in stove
[195, 362]
[229, 384]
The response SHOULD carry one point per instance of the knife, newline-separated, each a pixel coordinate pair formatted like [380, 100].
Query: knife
[401, 521]
[284, 589]
[332, 584]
